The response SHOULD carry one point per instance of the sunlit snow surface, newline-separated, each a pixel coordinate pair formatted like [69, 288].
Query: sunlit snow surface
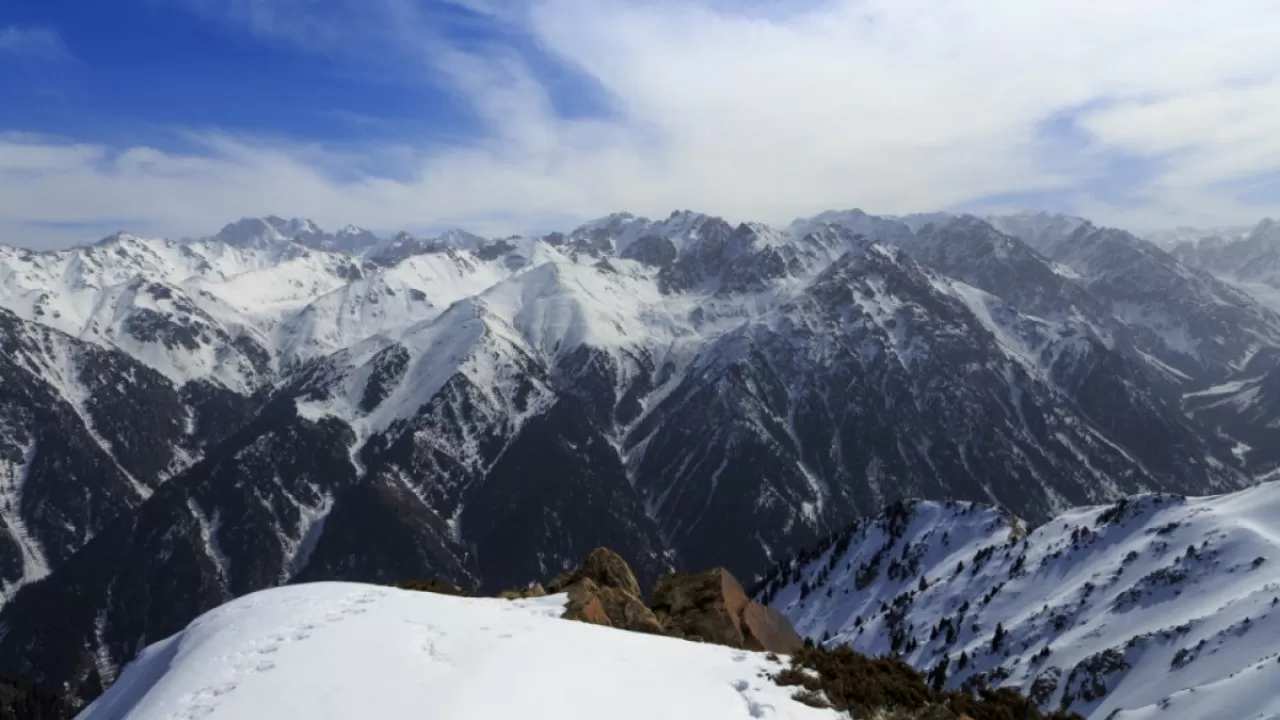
[1199, 632]
[342, 650]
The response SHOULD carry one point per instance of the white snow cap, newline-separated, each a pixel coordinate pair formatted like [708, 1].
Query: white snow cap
[341, 650]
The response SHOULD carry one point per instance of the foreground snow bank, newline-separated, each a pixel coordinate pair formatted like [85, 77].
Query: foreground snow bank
[341, 650]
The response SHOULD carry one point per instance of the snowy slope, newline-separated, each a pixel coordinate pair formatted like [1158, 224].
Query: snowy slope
[337, 650]
[172, 306]
[206, 309]
[382, 301]
[1158, 607]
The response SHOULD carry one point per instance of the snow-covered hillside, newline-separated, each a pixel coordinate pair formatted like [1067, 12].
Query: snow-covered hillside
[339, 650]
[1159, 606]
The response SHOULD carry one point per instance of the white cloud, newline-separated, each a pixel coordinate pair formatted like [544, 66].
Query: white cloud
[747, 111]
[36, 42]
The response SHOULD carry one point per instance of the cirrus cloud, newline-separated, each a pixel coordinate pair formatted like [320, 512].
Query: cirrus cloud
[1144, 113]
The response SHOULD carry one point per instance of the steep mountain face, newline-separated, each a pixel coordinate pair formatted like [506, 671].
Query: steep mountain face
[834, 405]
[86, 434]
[1155, 606]
[1248, 411]
[1247, 256]
[1075, 340]
[976, 253]
[1202, 328]
[1239, 405]
[189, 421]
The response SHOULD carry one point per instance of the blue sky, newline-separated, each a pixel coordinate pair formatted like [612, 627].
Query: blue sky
[132, 71]
[175, 116]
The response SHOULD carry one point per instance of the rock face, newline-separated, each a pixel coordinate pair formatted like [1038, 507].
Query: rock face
[605, 568]
[611, 607]
[710, 607]
[20, 702]
[603, 591]
[770, 628]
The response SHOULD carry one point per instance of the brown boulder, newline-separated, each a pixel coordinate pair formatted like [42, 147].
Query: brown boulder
[771, 628]
[608, 606]
[713, 607]
[605, 568]
[585, 605]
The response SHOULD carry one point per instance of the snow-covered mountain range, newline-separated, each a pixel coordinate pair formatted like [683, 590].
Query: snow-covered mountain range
[1157, 606]
[186, 421]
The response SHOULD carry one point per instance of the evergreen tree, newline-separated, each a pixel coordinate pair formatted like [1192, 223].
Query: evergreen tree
[938, 675]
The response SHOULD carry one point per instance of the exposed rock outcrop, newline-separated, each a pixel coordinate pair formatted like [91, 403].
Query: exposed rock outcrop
[713, 607]
[709, 607]
[611, 607]
[604, 567]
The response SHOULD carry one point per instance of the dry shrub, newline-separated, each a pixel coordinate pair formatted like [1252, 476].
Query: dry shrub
[811, 698]
[850, 681]
[439, 587]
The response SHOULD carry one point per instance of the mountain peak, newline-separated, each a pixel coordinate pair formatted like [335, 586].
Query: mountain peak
[1267, 226]
[460, 239]
[251, 231]
[116, 237]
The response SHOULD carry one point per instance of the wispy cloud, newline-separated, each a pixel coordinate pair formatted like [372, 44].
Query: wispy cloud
[34, 42]
[1143, 113]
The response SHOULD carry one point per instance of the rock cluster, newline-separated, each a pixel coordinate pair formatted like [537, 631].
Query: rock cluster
[708, 607]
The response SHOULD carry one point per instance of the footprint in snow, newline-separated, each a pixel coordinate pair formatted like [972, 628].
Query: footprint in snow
[213, 692]
[754, 708]
[430, 636]
[195, 713]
